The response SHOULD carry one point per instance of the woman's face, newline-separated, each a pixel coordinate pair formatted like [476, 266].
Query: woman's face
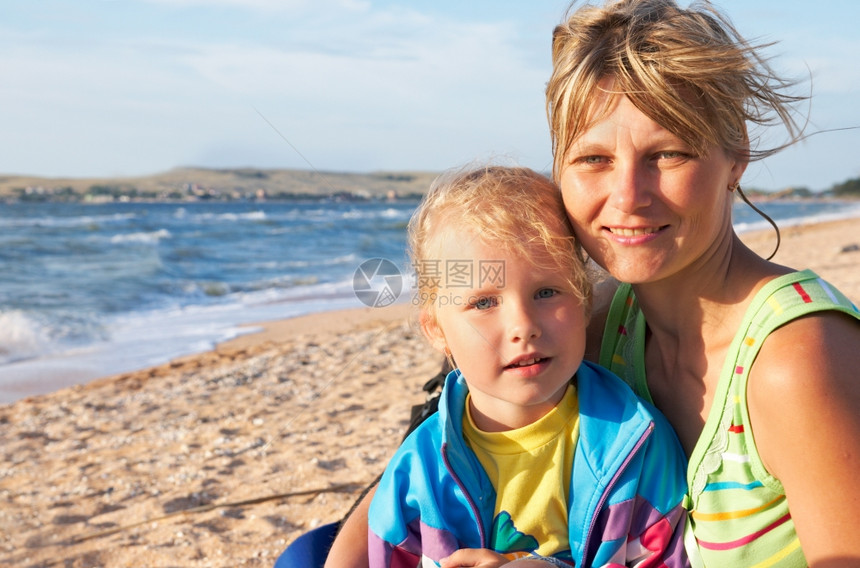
[643, 205]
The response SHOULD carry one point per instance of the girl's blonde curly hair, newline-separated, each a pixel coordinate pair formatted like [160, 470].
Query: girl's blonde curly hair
[515, 209]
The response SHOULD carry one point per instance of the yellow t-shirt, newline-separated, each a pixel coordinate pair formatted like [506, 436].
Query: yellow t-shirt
[530, 469]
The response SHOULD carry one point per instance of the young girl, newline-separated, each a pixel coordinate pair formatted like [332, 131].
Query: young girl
[534, 453]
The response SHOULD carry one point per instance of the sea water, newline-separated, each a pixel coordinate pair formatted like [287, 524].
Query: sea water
[92, 290]
[89, 290]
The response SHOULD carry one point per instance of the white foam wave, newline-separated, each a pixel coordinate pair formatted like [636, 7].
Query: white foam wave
[390, 213]
[142, 339]
[21, 337]
[75, 221]
[232, 217]
[151, 237]
[333, 261]
[850, 211]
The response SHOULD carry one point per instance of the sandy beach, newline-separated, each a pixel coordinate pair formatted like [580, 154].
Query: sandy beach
[222, 459]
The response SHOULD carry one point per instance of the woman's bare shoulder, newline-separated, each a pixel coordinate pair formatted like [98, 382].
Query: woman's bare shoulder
[803, 398]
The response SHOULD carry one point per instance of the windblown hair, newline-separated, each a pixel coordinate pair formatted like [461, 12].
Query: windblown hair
[689, 70]
[513, 209]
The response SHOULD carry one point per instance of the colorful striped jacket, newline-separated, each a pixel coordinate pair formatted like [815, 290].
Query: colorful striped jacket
[627, 483]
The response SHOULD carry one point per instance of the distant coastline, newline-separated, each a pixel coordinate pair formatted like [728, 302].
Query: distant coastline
[253, 184]
[198, 184]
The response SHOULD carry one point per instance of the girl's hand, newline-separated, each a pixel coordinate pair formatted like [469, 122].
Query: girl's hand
[482, 557]
[485, 558]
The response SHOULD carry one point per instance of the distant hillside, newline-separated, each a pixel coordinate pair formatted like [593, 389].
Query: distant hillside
[846, 190]
[219, 184]
[850, 188]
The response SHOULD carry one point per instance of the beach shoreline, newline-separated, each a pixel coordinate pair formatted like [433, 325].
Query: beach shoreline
[222, 458]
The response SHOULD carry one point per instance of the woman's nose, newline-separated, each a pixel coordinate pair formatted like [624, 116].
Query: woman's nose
[630, 188]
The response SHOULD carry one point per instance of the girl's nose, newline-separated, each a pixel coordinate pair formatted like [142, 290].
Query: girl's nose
[523, 323]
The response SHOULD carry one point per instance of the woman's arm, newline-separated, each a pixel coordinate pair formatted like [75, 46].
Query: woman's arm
[804, 404]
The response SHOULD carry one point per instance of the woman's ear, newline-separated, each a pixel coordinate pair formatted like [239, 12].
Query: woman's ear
[738, 170]
[433, 332]
[741, 160]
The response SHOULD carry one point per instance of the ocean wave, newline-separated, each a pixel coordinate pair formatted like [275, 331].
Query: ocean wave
[65, 222]
[233, 217]
[319, 215]
[287, 288]
[847, 210]
[21, 337]
[274, 265]
[301, 213]
[281, 283]
[336, 260]
[301, 296]
[390, 213]
[150, 237]
[27, 335]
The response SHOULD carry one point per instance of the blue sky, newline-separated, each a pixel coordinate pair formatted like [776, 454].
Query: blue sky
[132, 87]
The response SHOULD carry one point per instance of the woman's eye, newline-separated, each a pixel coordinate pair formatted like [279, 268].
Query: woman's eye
[546, 293]
[590, 160]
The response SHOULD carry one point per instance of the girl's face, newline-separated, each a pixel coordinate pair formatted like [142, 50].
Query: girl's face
[515, 330]
[642, 204]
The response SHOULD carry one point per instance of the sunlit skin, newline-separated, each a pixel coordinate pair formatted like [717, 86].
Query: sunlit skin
[518, 345]
[644, 205]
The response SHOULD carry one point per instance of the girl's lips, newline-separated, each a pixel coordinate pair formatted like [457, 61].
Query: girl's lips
[528, 367]
[527, 362]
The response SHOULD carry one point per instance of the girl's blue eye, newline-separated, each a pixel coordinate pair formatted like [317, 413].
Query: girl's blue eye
[484, 303]
[546, 293]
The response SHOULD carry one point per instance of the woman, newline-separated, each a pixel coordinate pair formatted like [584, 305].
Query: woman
[754, 364]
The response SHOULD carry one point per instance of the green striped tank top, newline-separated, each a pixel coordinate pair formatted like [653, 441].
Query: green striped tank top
[737, 510]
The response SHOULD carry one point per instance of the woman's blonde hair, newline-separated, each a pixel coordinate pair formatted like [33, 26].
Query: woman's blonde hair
[515, 209]
[689, 70]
